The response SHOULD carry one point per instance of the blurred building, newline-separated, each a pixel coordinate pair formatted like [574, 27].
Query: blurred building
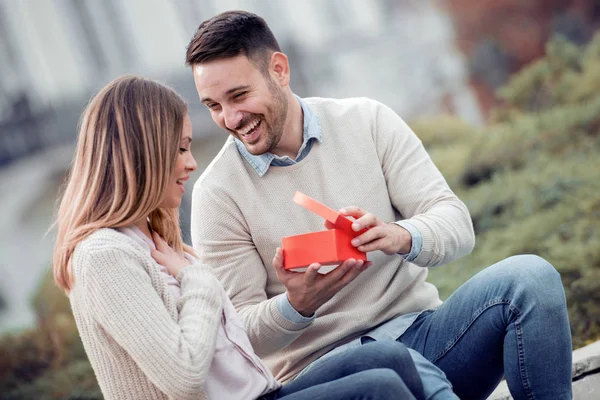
[55, 53]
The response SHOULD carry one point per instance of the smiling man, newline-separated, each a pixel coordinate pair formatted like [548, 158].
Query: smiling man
[356, 154]
[253, 109]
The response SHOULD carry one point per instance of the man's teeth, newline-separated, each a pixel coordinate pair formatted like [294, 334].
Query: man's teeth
[249, 127]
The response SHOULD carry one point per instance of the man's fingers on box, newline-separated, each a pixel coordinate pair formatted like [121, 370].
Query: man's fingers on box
[312, 273]
[378, 244]
[372, 235]
[278, 258]
[341, 270]
[345, 266]
[366, 221]
[352, 211]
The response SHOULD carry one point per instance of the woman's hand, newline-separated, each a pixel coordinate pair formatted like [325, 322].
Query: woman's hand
[167, 257]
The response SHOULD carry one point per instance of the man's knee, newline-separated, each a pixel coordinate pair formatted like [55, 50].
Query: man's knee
[530, 269]
[539, 269]
[537, 278]
[536, 266]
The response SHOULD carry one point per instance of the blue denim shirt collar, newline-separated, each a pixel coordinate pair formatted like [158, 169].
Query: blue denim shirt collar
[311, 130]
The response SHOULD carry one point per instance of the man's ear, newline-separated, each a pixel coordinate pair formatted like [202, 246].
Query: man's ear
[280, 68]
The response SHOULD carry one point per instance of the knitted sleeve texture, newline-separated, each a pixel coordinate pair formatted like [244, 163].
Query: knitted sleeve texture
[420, 193]
[174, 355]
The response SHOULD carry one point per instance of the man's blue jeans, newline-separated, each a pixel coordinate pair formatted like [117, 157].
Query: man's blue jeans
[510, 319]
[376, 370]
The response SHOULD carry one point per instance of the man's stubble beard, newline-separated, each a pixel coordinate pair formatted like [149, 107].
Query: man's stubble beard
[279, 111]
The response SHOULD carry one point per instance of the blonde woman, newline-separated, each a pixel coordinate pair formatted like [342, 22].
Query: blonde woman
[154, 321]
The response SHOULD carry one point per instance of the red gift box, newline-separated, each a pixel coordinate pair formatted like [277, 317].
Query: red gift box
[328, 247]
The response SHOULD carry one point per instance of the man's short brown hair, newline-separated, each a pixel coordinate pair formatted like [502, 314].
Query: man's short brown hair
[230, 34]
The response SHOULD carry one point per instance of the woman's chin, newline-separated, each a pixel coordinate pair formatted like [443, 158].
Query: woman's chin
[171, 203]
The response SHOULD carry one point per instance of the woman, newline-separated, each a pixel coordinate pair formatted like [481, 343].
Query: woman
[154, 321]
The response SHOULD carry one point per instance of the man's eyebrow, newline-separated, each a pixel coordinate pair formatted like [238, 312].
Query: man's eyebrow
[236, 88]
[230, 91]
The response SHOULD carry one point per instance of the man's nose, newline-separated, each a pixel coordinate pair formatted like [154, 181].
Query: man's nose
[232, 117]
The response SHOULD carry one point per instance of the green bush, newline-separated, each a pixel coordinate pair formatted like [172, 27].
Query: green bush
[531, 178]
[48, 361]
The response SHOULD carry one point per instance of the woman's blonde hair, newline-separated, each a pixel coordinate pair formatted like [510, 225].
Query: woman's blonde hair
[128, 142]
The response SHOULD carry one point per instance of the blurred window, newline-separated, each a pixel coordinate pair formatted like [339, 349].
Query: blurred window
[8, 64]
[192, 13]
[121, 39]
[89, 35]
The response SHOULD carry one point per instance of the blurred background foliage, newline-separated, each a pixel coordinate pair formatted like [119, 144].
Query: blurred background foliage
[47, 361]
[529, 179]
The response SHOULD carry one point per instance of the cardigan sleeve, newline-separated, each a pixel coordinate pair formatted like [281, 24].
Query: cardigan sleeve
[420, 193]
[174, 355]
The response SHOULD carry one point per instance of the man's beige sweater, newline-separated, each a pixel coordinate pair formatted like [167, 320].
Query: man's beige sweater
[369, 158]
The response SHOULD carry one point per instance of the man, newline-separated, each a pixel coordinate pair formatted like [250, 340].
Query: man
[509, 319]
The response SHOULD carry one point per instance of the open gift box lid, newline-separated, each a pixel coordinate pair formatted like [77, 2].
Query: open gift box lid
[338, 220]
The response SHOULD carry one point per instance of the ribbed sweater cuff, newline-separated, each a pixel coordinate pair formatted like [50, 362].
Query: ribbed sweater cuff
[416, 238]
[427, 253]
[285, 323]
[289, 312]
